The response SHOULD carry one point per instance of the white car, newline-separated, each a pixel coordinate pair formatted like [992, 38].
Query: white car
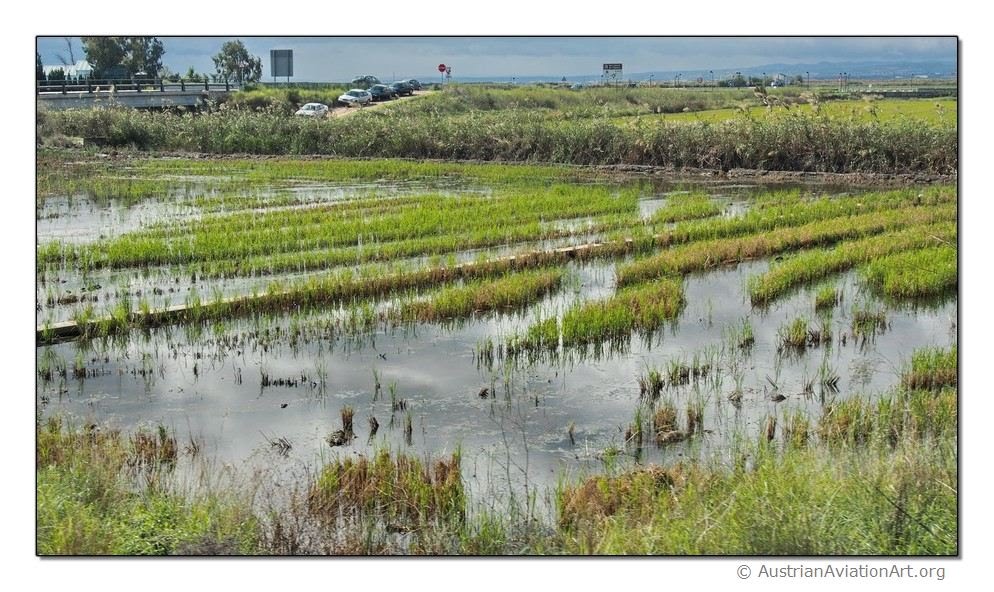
[313, 110]
[356, 96]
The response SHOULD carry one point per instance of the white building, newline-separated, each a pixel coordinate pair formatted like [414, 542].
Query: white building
[80, 69]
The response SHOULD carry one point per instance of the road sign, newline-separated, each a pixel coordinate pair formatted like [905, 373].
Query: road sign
[281, 62]
[441, 68]
[612, 72]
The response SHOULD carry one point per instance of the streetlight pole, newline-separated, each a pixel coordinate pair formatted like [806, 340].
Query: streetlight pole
[712, 77]
[809, 79]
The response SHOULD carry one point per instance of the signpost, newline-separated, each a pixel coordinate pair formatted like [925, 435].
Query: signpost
[281, 63]
[612, 73]
[441, 70]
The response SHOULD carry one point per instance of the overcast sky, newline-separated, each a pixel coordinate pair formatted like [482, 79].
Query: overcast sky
[342, 58]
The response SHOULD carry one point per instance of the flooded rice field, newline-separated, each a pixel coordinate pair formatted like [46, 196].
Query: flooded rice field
[271, 387]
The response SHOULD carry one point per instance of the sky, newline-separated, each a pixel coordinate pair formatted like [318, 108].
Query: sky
[319, 59]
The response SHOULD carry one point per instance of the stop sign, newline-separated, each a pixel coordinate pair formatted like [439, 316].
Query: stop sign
[441, 68]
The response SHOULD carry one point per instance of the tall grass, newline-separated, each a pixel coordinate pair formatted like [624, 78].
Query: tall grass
[932, 368]
[880, 479]
[397, 488]
[791, 142]
[88, 505]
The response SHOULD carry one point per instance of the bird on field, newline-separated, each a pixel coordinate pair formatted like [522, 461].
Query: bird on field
[484, 393]
[283, 405]
[777, 398]
[384, 356]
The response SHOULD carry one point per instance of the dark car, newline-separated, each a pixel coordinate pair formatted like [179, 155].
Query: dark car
[414, 84]
[382, 92]
[365, 82]
[402, 88]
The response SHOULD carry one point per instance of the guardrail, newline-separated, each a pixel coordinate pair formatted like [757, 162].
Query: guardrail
[128, 85]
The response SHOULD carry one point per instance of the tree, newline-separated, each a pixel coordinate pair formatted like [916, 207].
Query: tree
[104, 54]
[143, 54]
[57, 74]
[234, 62]
[71, 60]
[192, 75]
[39, 68]
[132, 54]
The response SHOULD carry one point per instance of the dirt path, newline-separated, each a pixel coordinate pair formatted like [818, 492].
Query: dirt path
[340, 111]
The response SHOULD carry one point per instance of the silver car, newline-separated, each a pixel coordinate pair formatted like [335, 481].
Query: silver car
[313, 110]
[356, 96]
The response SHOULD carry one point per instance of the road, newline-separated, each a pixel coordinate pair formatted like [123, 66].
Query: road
[338, 111]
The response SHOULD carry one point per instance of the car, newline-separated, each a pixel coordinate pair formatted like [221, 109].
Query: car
[414, 84]
[313, 110]
[365, 82]
[402, 88]
[382, 92]
[356, 96]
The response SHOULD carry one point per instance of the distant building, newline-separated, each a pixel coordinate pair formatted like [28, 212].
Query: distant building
[80, 69]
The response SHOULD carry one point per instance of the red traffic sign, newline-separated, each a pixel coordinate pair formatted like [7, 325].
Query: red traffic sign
[441, 67]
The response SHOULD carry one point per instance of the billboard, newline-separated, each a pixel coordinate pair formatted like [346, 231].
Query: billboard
[281, 62]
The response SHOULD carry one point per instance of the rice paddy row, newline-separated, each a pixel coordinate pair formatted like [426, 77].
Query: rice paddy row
[920, 273]
[642, 310]
[284, 231]
[908, 274]
[707, 254]
[782, 215]
[511, 291]
[689, 206]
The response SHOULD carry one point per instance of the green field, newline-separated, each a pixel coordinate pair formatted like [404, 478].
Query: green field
[932, 111]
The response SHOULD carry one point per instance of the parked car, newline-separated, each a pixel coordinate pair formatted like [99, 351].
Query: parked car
[365, 82]
[382, 92]
[313, 110]
[356, 96]
[402, 88]
[414, 84]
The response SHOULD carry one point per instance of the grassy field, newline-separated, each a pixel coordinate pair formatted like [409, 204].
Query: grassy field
[549, 125]
[932, 111]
